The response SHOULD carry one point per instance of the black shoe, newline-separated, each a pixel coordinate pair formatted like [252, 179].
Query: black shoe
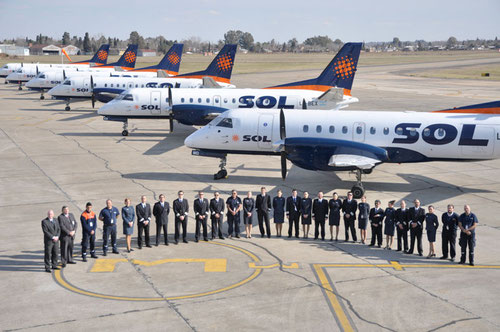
[237, 236]
[196, 240]
[72, 262]
[205, 239]
[94, 256]
[213, 238]
[149, 246]
[471, 264]
[139, 247]
[128, 250]
[48, 270]
[84, 259]
[166, 243]
[443, 257]
[156, 245]
[380, 246]
[408, 252]
[289, 236]
[64, 265]
[452, 259]
[104, 254]
[371, 245]
[262, 235]
[420, 254]
[296, 236]
[269, 236]
[176, 242]
[115, 252]
[55, 268]
[185, 241]
[322, 239]
[315, 238]
[398, 250]
[221, 237]
[131, 249]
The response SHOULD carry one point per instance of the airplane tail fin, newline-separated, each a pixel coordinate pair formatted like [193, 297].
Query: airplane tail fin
[339, 72]
[128, 57]
[101, 56]
[221, 68]
[484, 108]
[170, 62]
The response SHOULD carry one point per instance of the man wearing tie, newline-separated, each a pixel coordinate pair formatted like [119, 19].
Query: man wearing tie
[449, 233]
[89, 227]
[402, 227]
[68, 225]
[263, 206]
[108, 215]
[349, 207]
[51, 233]
[216, 213]
[143, 213]
[181, 210]
[416, 217]
[201, 210]
[293, 208]
[320, 214]
[161, 209]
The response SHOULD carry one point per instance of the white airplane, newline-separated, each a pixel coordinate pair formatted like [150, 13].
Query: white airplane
[168, 66]
[218, 71]
[22, 72]
[355, 141]
[331, 89]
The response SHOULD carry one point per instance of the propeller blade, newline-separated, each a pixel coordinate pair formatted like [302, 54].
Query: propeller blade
[64, 75]
[171, 121]
[36, 70]
[304, 104]
[92, 87]
[283, 165]
[282, 125]
[170, 97]
[93, 100]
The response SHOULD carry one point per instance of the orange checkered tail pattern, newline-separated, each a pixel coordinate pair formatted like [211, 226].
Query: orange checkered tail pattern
[99, 58]
[170, 62]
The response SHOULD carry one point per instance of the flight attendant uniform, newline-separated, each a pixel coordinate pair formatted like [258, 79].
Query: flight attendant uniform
[334, 205]
[390, 221]
[306, 211]
[279, 209]
[431, 226]
[363, 214]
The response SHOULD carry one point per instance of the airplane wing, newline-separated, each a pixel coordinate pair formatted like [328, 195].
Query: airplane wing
[209, 82]
[349, 160]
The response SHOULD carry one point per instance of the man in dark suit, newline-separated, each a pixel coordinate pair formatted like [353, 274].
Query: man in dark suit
[143, 213]
[51, 233]
[263, 206]
[293, 208]
[349, 207]
[201, 210]
[320, 214]
[402, 227]
[449, 232]
[68, 225]
[216, 214]
[416, 216]
[181, 210]
[161, 209]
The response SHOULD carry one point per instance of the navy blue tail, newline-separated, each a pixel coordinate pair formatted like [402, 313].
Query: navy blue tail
[170, 62]
[100, 57]
[128, 57]
[221, 68]
[339, 72]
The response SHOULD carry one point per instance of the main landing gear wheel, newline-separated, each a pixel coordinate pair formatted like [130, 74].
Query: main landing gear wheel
[125, 128]
[222, 173]
[358, 190]
[125, 132]
[42, 97]
[67, 108]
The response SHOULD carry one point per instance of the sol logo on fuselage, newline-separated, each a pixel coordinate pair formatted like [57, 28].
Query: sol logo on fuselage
[150, 107]
[264, 102]
[438, 134]
[256, 138]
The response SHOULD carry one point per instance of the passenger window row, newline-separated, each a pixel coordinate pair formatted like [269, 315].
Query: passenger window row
[345, 129]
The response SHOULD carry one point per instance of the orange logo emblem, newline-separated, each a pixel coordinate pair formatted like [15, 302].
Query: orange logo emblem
[174, 58]
[130, 57]
[224, 62]
[236, 138]
[344, 67]
[102, 55]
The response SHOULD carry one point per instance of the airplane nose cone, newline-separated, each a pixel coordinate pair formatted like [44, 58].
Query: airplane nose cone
[105, 109]
[52, 91]
[189, 141]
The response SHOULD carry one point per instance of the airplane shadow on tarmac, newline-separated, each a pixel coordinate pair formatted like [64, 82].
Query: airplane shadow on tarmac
[26, 261]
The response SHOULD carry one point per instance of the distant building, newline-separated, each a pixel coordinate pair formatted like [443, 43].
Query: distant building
[54, 50]
[145, 52]
[12, 49]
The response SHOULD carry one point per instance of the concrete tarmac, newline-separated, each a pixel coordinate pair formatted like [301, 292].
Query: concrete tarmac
[50, 158]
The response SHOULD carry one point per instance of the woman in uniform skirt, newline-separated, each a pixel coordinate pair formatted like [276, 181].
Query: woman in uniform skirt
[279, 212]
[128, 216]
[390, 224]
[334, 205]
[364, 213]
[248, 207]
[306, 211]
[431, 226]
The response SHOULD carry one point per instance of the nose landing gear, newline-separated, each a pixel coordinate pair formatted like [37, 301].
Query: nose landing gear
[222, 173]
[125, 128]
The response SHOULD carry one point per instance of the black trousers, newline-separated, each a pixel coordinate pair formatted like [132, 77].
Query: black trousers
[263, 217]
[159, 227]
[201, 223]
[317, 225]
[402, 238]
[143, 228]
[416, 234]
[51, 251]
[293, 222]
[448, 240]
[467, 241]
[376, 234]
[86, 238]
[217, 227]
[233, 221]
[109, 230]
[67, 244]
[349, 224]
[178, 224]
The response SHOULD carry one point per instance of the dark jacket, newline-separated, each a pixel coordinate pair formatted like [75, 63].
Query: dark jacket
[293, 208]
[201, 208]
[89, 222]
[217, 207]
[180, 208]
[431, 222]
[450, 223]
[416, 216]
[161, 212]
[248, 205]
[50, 229]
[306, 206]
[350, 208]
[320, 210]
[143, 213]
[376, 216]
[67, 224]
[363, 211]
[402, 218]
[263, 203]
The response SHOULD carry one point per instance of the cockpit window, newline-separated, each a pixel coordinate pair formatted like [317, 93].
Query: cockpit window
[5, 67]
[20, 70]
[226, 123]
[41, 75]
[128, 97]
[67, 82]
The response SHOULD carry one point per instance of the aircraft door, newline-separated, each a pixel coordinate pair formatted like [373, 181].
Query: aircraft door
[155, 102]
[358, 132]
[265, 131]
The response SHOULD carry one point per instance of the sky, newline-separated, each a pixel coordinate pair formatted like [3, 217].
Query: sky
[348, 20]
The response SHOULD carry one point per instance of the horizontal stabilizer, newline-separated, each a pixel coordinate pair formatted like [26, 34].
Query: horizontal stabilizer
[209, 82]
[162, 74]
[332, 95]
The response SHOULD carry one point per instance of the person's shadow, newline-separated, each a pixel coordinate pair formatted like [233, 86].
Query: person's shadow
[26, 261]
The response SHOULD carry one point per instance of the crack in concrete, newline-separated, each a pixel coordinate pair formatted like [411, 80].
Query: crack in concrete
[453, 322]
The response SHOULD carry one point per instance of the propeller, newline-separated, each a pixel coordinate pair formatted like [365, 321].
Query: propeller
[283, 137]
[170, 105]
[36, 70]
[92, 87]
[304, 104]
[64, 75]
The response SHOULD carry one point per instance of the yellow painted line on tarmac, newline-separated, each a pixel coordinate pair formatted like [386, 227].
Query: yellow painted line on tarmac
[106, 265]
[252, 265]
[341, 316]
[400, 267]
[211, 264]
